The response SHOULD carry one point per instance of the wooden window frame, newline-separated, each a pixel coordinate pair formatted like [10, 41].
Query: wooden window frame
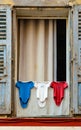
[17, 16]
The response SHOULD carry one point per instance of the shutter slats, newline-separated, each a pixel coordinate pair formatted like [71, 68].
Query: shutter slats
[2, 37]
[5, 60]
[4, 18]
[2, 11]
[2, 22]
[2, 54]
[2, 33]
[79, 25]
[3, 25]
[79, 35]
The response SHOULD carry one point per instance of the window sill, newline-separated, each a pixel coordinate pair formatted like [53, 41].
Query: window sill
[40, 121]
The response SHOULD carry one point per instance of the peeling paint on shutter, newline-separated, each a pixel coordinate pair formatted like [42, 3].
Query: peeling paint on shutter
[79, 62]
[77, 59]
[5, 60]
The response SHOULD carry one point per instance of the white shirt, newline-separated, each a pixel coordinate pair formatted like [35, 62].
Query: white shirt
[42, 92]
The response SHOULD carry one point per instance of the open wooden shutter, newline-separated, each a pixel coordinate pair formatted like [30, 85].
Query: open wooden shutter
[5, 60]
[77, 60]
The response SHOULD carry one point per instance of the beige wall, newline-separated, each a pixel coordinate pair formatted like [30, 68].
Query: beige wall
[11, 2]
[41, 2]
[78, 1]
[40, 128]
[36, 2]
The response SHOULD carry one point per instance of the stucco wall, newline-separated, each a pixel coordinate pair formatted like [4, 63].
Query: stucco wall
[36, 2]
[11, 2]
[41, 2]
[40, 128]
[78, 1]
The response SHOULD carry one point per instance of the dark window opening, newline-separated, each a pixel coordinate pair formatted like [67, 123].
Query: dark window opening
[61, 50]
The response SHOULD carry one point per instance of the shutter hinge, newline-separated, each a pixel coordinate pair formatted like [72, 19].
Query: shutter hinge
[79, 71]
[12, 59]
[72, 111]
[79, 108]
[74, 59]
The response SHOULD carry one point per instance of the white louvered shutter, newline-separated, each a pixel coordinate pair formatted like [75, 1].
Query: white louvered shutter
[5, 60]
[77, 60]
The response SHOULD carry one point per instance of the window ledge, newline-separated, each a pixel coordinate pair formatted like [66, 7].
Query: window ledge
[40, 121]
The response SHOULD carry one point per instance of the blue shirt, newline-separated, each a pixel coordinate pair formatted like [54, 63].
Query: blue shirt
[24, 92]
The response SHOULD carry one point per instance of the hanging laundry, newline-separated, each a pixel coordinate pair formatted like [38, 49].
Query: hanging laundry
[42, 92]
[58, 91]
[24, 92]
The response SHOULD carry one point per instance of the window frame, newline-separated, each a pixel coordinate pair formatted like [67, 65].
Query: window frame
[16, 16]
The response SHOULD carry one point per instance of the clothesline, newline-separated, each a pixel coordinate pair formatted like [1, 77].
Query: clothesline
[41, 92]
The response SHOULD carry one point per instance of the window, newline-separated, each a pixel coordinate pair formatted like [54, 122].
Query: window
[61, 50]
[42, 54]
[42, 49]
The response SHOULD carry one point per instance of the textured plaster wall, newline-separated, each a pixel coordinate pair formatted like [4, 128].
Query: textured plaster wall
[78, 1]
[9, 2]
[40, 2]
[36, 2]
[40, 128]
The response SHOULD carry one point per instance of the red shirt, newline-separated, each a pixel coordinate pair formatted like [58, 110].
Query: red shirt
[58, 91]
